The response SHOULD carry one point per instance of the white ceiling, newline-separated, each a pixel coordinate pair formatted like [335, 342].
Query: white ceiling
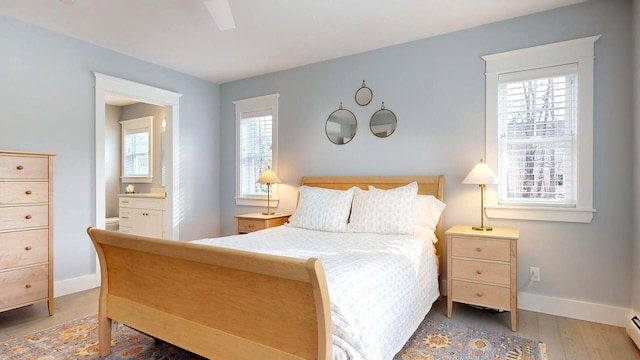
[270, 35]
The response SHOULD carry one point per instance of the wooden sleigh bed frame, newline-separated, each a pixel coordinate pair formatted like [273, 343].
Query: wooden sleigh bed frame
[224, 303]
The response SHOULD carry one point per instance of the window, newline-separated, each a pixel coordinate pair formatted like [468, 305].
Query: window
[540, 132]
[137, 145]
[537, 118]
[257, 148]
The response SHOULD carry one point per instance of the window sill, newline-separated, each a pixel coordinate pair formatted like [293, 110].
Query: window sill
[576, 215]
[251, 201]
[136, 179]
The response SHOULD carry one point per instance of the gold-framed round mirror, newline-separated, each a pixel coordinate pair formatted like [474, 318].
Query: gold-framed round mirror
[364, 95]
[341, 126]
[383, 122]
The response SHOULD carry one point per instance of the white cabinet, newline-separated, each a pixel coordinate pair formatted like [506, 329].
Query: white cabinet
[143, 215]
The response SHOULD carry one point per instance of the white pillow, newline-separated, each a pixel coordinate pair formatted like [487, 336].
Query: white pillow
[426, 212]
[322, 209]
[383, 211]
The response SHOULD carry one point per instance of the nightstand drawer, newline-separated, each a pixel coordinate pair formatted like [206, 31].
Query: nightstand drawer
[253, 222]
[249, 225]
[277, 221]
[481, 294]
[497, 273]
[477, 248]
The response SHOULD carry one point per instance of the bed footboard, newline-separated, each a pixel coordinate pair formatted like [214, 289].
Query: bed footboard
[216, 302]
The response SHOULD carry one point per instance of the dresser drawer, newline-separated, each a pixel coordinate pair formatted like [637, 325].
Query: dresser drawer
[23, 248]
[20, 217]
[27, 192]
[23, 167]
[24, 286]
[477, 248]
[249, 225]
[481, 294]
[496, 273]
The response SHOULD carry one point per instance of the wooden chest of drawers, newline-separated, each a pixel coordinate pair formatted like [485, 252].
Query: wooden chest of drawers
[482, 269]
[253, 222]
[26, 229]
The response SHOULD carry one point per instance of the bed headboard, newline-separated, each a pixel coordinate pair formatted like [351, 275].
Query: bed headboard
[427, 185]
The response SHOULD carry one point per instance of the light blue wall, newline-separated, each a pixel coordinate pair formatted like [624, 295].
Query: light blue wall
[47, 104]
[436, 88]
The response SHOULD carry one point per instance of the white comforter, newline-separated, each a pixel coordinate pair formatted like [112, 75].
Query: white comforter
[380, 286]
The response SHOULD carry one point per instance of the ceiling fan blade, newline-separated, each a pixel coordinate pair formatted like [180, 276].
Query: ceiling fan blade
[220, 10]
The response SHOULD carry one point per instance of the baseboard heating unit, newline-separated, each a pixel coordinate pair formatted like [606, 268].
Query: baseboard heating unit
[633, 329]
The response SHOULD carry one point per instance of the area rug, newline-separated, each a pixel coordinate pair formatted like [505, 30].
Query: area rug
[439, 340]
[435, 340]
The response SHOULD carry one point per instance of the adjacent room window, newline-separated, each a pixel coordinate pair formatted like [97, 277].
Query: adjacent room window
[137, 147]
[256, 148]
[540, 132]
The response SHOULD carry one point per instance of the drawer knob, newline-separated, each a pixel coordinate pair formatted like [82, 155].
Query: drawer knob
[479, 272]
[27, 286]
[28, 192]
[19, 167]
[479, 294]
[28, 248]
[478, 249]
[28, 217]
[250, 225]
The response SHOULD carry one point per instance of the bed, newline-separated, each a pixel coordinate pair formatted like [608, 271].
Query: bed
[223, 302]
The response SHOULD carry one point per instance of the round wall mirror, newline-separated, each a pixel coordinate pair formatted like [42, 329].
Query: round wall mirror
[341, 126]
[364, 95]
[383, 122]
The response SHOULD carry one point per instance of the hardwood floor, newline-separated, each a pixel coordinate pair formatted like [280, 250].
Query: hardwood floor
[565, 338]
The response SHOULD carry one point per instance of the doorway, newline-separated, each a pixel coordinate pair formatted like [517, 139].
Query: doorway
[109, 85]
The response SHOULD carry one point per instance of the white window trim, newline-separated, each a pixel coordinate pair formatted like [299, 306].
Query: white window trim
[251, 105]
[580, 51]
[143, 122]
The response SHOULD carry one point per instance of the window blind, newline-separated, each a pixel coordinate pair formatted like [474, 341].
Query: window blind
[537, 136]
[137, 156]
[256, 150]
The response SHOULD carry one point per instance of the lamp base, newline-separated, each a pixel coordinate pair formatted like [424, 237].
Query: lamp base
[268, 213]
[481, 228]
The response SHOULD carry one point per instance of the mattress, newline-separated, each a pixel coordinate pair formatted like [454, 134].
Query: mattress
[380, 286]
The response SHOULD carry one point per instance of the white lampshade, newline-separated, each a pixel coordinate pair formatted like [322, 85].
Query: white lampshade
[268, 177]
[481, 174]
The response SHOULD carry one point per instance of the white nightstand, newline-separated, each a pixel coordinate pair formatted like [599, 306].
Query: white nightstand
[247, 223]
[482, 268]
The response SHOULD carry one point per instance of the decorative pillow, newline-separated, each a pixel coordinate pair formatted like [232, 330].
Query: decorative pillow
[426, 212]
[322, 209]
[383, 211]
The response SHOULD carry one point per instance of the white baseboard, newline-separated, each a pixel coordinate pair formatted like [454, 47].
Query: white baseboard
[74, 285]
[633, 330]
[575, 309]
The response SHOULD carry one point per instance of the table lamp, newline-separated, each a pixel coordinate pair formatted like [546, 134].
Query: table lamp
[481, 175]
[268, 177]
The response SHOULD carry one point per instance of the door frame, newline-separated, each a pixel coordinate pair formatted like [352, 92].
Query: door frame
[106, 84]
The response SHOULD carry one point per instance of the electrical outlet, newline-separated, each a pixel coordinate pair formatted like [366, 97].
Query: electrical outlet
[534, 273]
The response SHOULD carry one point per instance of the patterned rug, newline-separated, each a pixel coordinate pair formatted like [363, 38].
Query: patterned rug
[438, 340]
[78, 339]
